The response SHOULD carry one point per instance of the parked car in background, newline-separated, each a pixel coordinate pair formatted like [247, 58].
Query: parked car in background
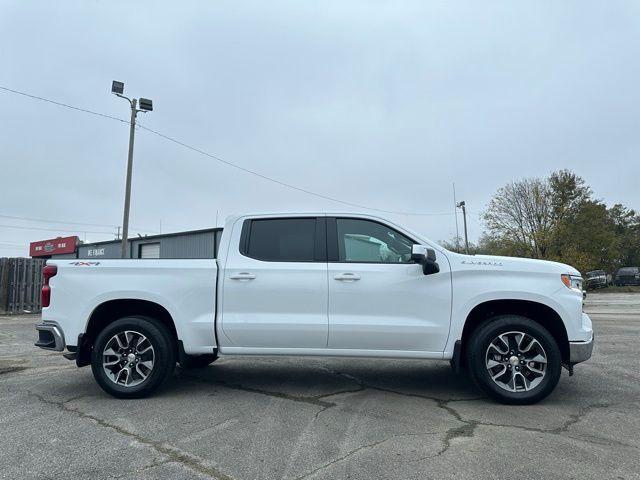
[596, 279]
[627, 276]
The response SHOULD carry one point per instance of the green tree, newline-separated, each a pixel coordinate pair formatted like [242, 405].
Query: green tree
[627, 227]
[568, 193]
[557, 218]
[586, 238]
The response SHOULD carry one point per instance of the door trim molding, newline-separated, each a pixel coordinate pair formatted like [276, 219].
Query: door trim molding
[330, 352]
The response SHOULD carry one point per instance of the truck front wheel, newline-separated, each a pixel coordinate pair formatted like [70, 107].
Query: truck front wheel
[514, 360]
[132, 357]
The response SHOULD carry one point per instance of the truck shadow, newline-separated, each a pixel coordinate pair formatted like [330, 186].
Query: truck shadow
[314, 379]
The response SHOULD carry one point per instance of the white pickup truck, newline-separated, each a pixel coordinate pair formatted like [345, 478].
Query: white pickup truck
[324, 285]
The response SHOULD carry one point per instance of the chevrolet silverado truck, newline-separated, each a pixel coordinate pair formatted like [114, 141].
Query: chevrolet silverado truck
[346, 285]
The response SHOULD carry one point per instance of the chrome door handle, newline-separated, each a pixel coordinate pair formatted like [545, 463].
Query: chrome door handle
[347, 277]
[243, 276]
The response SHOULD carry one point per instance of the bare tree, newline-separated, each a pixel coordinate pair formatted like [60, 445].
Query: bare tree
[522, 214]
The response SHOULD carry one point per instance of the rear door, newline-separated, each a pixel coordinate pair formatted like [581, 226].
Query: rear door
[275, 284]
[378, 298]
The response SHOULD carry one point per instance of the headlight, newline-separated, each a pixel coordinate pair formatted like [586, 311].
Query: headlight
[573, 282]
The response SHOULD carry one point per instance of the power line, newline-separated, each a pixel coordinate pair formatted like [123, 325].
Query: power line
[60, 104]
[284, 184]
[11, 244]
[13, 217]
[19, 227]
[228, 163]
[41, 220]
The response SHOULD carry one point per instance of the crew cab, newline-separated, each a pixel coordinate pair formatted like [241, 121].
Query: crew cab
[319, 285]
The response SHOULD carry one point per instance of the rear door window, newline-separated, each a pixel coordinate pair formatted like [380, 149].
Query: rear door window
[282, 240]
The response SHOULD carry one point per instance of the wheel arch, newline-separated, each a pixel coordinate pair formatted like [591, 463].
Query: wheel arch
[536, 311]
[111, 310]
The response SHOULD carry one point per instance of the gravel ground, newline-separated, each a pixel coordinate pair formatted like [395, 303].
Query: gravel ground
[270, 418]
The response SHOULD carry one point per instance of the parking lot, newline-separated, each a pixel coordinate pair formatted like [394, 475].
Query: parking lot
[270, 418]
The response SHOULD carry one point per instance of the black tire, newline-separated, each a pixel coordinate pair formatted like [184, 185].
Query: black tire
[197, 361]
[477, 354]
[163, 363]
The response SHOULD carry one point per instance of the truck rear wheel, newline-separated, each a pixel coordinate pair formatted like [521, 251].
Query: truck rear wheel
[514, 360]
[132, 357]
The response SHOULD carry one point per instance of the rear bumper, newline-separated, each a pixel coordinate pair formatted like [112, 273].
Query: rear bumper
[50, 337]
[580, 351]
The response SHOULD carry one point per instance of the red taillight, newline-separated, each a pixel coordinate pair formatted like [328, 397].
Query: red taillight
[47, 272]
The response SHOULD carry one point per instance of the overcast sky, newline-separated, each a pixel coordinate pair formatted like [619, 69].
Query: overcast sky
[384, 104]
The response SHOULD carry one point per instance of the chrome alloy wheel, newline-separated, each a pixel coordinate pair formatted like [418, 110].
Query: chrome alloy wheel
[128, 358]
[516, 361]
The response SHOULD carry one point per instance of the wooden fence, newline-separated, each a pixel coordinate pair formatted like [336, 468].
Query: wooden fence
[20, 285]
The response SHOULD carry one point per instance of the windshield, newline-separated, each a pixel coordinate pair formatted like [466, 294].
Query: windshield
[595, 273]
[628, 271]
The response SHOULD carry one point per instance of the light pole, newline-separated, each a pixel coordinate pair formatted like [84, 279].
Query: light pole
[146, 105]
[462, 205]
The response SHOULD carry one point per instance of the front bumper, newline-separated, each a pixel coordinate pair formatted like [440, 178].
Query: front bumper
[580, 351]
[50, 337]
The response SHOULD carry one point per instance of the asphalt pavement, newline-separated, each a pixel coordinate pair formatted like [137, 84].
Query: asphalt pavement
[292, 418]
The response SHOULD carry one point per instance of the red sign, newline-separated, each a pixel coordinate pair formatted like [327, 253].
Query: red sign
[55, 246]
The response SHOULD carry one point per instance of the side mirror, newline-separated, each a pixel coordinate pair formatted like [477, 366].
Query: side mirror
[426, 257]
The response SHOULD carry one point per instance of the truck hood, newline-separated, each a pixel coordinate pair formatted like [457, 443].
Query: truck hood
[494, 262]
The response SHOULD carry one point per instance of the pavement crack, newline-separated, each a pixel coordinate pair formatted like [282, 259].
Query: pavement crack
[340, 459]
[359, 449]
[577, 417]
[11, 369]
[465, 431]
[311, 400]
[172, 453]
[77, 397]
[468, 428]
[607, 442]
[154, 464]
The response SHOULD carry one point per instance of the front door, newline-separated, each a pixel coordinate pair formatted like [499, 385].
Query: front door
[378, 298]
[275, 284]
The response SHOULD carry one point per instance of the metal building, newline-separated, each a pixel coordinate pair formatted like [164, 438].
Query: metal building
[190, 244]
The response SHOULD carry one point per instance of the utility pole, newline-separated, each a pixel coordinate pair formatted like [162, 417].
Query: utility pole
[455, 212]
[146, 105]
[127, 191]
[462, 205]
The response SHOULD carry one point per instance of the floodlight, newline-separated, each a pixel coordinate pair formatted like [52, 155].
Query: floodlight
[145, 104]
[117, 87]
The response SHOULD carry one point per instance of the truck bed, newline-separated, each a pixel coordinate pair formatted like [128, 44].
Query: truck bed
[186, 288]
